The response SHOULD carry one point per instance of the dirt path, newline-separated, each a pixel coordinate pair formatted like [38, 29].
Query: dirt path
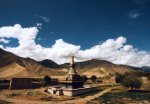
[77, 101]
[88, 98]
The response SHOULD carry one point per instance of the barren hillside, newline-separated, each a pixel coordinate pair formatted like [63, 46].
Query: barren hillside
[14, 66]
[99, 68]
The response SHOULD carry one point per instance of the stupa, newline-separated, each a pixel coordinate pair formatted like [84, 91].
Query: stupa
[72, 85]
[73, 80]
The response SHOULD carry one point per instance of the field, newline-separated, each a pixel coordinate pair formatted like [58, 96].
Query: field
[107, 94]
[29, 96]
[121, 95]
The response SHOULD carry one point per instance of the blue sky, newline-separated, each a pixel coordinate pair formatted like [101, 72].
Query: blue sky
[75, 20]
[79, 22]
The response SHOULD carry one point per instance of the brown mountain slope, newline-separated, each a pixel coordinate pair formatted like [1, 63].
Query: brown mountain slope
[100, 68]
[7, 58]
[14, 66]
[49, 63]
[16, 70]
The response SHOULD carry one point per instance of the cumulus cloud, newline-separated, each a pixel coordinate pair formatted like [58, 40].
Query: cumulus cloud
[133, 14]
[114, 50]
[44, 18]
[24, 35]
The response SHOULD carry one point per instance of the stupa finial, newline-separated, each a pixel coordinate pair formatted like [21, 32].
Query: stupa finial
[72, 70]
[72, 60]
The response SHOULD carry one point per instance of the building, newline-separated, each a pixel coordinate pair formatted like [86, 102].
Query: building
[73, 84]
[20, 83]
[73, 80]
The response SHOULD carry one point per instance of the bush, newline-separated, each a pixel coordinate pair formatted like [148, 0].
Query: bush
[84, 78]
[119, 78]
[93, 78]
[47, 80]
[132, 82]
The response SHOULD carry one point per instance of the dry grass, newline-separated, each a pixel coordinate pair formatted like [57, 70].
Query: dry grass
[122, 96]
[32, 95]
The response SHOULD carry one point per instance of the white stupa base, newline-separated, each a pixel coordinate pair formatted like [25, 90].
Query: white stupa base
[71, 92]
[79, 91]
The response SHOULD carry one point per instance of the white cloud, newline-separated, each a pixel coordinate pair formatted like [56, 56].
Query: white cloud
[113, 50]
[3, 40]
[44, 18]
[39, 25]
[133, 14]
[24, 35]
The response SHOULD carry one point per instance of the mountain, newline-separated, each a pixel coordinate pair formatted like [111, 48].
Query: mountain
[89, 64]
[146, 68]
[6, 58]
[15, 66]
[100, 68]
[49, 64]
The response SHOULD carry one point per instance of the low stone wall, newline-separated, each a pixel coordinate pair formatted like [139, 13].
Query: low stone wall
[75, 92]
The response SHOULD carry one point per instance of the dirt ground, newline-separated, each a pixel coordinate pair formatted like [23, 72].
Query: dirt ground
[31, 95]
[38, 97]
[121, 95]
[108, 94]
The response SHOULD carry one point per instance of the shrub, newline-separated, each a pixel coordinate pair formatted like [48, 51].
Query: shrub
[47, 80]
[84, 78]
[119, 78]
[132, 82]
[93, 78]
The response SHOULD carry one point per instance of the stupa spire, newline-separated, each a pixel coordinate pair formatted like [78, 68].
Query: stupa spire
[72, 70]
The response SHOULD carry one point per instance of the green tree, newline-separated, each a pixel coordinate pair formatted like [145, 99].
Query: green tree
[132, 82]
[119, 77]
[93, 78]
[84, 78]
[47, 79]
